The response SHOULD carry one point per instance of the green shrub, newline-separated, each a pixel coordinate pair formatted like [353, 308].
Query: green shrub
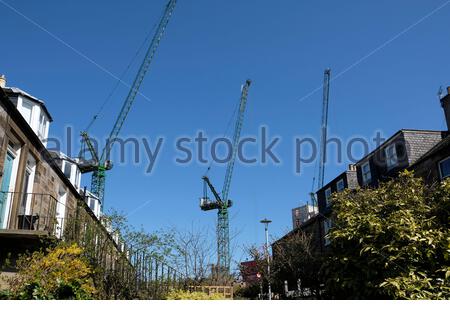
[59, 273]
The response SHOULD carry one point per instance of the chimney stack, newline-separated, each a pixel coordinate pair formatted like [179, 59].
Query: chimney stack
[2, 81]
[445, 103]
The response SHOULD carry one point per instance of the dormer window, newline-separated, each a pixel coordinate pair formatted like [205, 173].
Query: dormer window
[366, 174]
[444, 168]
[32, 110]
[42, 128]
[391, 156]
[26, 110]
[67, 169]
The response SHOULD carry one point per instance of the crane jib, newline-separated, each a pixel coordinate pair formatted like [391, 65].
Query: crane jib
[134, 89]
[236, 137]
[98, 177]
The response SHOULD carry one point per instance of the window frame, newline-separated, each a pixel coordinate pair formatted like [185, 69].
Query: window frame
[42, 125]
[440, 168]
[28, 105]
[28, 185]
[363, 174]
[65, 164]
[390, 165]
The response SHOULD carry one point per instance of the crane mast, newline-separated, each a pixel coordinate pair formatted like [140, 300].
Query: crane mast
[223, 203]
[104, 164]
[324, 128]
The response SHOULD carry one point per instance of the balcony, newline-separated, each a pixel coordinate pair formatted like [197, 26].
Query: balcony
[31, 215]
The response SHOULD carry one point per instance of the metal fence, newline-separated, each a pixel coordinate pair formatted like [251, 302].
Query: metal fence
[32, 212]
[122, 272]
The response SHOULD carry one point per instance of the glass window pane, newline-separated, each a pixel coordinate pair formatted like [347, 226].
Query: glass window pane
[445, 168]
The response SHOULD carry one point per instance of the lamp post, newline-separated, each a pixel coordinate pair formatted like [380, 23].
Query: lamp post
[266, 228]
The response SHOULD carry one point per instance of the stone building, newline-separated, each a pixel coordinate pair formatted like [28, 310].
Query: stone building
[40, 196]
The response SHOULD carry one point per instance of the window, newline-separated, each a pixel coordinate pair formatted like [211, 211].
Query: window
[444, 168]
[77, 178]
[67, 169]
[27, 188]
[92, 203]
[391, 156]
[26, 183]
[366, 174]
[327, 225]
[328, 196]
[340, 185]
[42, 130]
[26, 110]
[60, 212]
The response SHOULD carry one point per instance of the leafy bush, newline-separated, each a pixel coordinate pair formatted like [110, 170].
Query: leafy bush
[59, 273]
[392, 242]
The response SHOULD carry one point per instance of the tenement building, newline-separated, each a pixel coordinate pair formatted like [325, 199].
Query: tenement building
[40, 195]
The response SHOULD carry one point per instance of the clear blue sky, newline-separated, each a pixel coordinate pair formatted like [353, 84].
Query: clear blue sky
[209, 49]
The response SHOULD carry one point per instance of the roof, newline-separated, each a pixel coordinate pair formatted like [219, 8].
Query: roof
[299, 228]
[395, 135]
[444, 143]
[16, 91]
[338, 177]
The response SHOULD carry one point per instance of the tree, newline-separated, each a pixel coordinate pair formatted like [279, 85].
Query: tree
[194, 253]
[296, 261]
[392, 242]
[158, 244]
[253, 290]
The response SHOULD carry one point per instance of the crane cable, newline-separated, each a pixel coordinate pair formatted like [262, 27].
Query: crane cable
[227, 129]
[122, 76]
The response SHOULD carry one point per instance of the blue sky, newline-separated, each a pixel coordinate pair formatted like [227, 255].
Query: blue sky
[209, 49]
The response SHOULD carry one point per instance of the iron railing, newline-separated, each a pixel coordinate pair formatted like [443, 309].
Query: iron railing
[126, 272]
[33, 212]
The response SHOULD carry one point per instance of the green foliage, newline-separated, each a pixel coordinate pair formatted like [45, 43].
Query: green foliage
[187, 295]
[59, 273]
[390, 242]
[159, 244]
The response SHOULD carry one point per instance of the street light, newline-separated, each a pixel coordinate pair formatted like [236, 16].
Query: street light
[266, 227]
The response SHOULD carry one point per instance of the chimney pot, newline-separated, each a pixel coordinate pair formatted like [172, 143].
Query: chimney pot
[2, 81]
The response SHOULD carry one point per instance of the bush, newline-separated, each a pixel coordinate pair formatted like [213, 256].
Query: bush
[59, 273]
[392, 242]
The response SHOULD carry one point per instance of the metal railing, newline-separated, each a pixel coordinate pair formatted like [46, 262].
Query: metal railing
[32, 212]
[126, 272]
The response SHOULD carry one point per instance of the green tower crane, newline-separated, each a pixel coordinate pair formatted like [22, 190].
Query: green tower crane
[222, 203]
[99, 165]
